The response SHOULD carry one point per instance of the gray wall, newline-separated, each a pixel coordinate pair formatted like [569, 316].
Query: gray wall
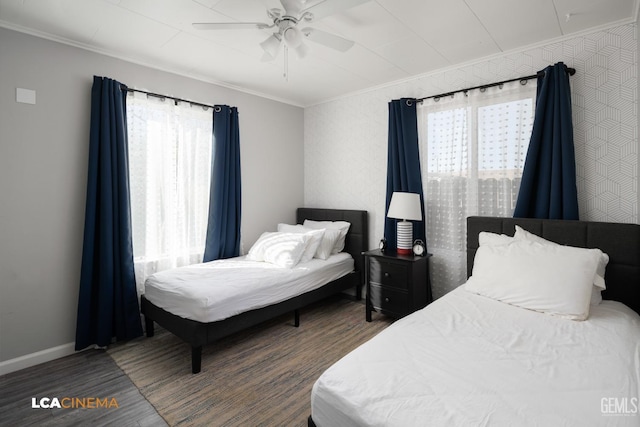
[43, 172]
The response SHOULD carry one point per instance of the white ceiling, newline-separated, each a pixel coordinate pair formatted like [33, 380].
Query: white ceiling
[395, 39]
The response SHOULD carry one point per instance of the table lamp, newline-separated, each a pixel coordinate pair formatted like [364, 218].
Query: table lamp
[406, 207]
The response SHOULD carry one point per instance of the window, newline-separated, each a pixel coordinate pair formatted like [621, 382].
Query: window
[169, 171]
[473, 146]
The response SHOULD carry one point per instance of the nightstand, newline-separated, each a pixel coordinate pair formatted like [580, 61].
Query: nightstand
[397, 285]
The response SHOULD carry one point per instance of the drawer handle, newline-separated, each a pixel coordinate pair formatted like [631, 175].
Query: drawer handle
[386, 274]
[386, 299]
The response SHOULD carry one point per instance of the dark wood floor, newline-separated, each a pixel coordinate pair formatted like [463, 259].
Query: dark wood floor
[87, 374]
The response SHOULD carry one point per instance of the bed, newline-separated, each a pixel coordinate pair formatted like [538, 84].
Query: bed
[173, 315]
[467, 359]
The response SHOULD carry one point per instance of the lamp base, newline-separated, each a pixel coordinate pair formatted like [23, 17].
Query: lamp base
[404, 236]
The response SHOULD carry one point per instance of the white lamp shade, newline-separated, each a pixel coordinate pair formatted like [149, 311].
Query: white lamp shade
[405, 206]
[292, 37]
[271, 46]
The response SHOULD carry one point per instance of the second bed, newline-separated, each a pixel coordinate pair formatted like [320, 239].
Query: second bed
[203, 303]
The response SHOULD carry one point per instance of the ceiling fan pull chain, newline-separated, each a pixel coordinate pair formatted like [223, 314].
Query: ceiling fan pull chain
[286, 63]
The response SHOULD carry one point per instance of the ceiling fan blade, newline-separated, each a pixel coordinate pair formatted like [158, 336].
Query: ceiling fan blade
[321, 8]
[327, 39]
[230, 25]
[291, 7]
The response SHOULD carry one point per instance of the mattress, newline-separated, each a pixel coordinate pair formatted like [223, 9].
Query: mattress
[220, 289]
[467, 360]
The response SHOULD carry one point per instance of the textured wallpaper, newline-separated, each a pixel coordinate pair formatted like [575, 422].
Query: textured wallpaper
[346, 139]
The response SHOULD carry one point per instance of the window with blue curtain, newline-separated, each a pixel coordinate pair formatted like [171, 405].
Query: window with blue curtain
[163, 191]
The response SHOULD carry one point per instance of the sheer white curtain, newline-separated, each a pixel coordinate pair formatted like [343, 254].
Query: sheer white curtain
[170, 171]
[473, 149]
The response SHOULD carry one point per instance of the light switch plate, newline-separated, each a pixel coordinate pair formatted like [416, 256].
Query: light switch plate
[26, 96]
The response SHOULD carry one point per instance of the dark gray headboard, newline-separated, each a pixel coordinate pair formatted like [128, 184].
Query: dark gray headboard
[357, 240]
[620, 241]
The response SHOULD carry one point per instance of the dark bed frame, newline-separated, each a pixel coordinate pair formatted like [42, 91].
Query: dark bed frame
[620, 241]
[197, 334]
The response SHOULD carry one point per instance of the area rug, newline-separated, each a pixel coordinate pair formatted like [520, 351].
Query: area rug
[259, 377]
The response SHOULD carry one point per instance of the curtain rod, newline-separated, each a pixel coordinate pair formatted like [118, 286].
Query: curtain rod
[570, 71]
[176, 100]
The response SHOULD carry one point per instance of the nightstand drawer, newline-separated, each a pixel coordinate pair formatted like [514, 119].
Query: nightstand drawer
[397, 284]
[390, 300]
[388, 273]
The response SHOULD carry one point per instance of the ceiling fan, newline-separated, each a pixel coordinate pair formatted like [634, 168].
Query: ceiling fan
[285, 25]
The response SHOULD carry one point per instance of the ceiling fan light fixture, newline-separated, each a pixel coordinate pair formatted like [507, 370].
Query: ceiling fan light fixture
[292, 37]
[271, 46]
[284, 22]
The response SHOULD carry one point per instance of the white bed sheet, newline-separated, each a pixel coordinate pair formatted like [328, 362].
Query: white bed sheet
[220, 289]
[467, 360]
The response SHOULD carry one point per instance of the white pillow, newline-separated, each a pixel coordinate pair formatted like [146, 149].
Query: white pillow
[488, 238]
[331, 236]
[281, 249]
[550, 279]
[343, 226]
[313, 243]
[598, 280]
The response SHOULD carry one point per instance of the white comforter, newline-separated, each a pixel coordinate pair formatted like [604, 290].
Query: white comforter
[220, 289]
[467, 360]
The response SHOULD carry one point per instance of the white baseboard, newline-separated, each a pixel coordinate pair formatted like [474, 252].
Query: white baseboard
[36, 358]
